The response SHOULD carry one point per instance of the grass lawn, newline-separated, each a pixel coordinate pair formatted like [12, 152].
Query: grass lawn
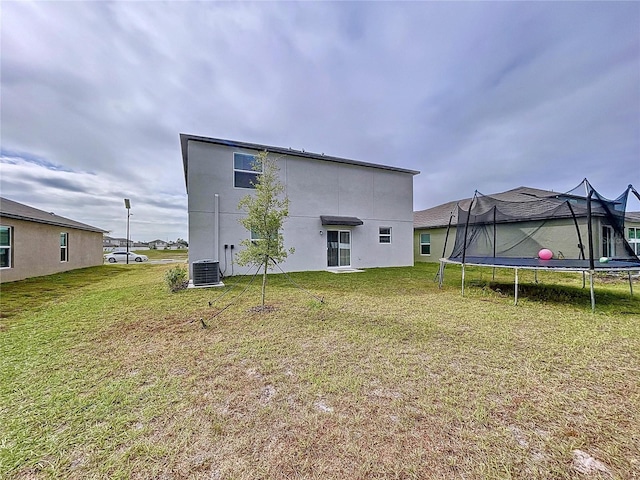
[105, 374]
[164, 254]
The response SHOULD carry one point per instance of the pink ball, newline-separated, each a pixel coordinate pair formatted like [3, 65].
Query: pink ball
[545, 254]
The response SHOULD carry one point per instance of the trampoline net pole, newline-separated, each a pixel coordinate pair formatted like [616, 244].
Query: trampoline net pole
[575, 222]
[593, 294]
[516, 287]
[590, 234]
[495, 208]
[440, 274]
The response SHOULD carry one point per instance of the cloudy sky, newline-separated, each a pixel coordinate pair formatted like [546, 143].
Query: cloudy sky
[481, 96]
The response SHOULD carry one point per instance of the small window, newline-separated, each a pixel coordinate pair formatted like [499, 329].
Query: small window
[425, 244]
[634, 233]
[64, 247]
[255, 236]
[5, 247]
[384, 235]
[246, 169]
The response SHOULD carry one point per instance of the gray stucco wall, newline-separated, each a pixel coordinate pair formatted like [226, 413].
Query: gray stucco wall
[36, 249]
[380, 198]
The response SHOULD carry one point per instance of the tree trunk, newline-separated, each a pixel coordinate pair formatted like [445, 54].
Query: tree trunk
[264, 278]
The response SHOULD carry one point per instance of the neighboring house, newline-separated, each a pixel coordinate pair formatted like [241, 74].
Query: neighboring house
[342, 213]
[158, 244]
[34, 242]
[139, 246]
[431, 225]
[110, 242]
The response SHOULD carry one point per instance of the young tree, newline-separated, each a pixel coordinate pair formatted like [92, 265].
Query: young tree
[266, 211]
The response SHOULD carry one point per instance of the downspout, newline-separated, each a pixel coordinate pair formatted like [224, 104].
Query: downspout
[216, 227]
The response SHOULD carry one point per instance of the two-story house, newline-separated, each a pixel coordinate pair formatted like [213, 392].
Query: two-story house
[343, 214]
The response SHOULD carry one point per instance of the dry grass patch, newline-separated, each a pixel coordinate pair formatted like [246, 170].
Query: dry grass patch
[391, 378]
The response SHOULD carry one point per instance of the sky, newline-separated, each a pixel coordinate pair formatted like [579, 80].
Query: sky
[484, 96]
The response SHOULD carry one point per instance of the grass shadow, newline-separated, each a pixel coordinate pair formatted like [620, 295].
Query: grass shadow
[618, 301]
[34, 293]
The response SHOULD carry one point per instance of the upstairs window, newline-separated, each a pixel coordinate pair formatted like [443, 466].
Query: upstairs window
[246, 169]
[384, 235]
[64, 248]
[425, 244]
[5, 246]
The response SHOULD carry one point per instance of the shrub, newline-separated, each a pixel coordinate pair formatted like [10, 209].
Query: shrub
[176, 278]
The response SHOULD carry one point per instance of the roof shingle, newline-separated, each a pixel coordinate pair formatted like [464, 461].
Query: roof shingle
[20, 211]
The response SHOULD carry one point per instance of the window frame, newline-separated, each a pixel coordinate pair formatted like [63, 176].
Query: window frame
[8, 247]
[342, 250]
[254, 237]
[425, 244]
[384, 235]
[64, 249]
[243, 171]
[634, 241]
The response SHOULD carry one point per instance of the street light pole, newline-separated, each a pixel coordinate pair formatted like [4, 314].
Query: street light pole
[127, 205]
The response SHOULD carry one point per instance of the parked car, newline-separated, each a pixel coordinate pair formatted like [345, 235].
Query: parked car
[121, 257]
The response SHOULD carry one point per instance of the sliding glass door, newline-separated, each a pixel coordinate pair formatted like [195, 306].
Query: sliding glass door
[338, 248]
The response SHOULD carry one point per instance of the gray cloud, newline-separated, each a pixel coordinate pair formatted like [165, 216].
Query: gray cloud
[485, 96]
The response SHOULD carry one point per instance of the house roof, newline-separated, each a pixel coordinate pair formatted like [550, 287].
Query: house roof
[20, 211]
[185, 138]
[439, 216]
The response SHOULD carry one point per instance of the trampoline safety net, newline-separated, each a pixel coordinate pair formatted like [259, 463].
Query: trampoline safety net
[576, 225]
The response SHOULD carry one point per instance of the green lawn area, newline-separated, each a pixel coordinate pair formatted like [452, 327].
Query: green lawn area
[105, 374]
[164, 254]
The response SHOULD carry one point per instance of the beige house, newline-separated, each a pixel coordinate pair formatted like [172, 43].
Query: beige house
[158, 245]
[34, 242]
[431, 227]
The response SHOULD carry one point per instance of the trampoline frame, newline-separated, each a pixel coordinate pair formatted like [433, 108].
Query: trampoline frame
[545, 265]
[584, 265]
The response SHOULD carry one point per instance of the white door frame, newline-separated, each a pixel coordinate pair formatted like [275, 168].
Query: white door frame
[341, 247]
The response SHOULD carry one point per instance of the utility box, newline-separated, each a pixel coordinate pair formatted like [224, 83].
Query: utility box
[206, 272]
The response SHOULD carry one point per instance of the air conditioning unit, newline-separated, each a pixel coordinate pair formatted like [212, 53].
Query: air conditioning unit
[206, 272]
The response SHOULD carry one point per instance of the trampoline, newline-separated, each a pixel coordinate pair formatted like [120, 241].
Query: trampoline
[498, 233]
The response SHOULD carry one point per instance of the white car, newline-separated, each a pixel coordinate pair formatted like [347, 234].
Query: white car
[121, 257]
